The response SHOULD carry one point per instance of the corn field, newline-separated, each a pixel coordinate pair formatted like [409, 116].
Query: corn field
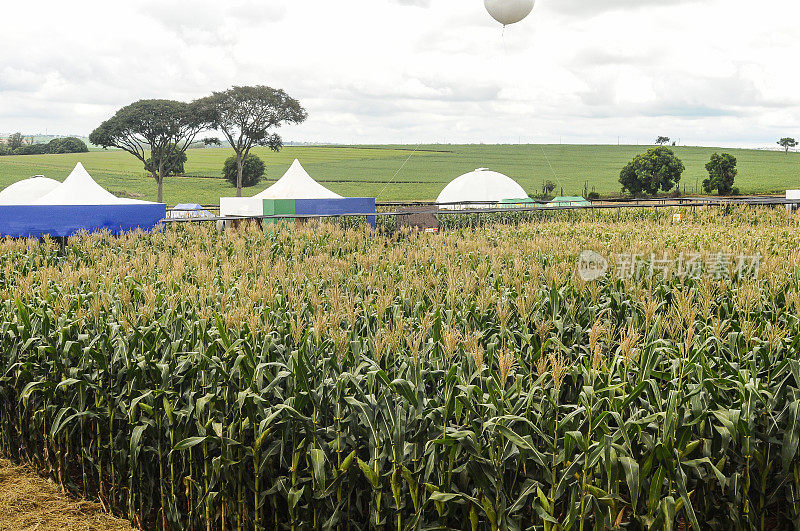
[318, 377]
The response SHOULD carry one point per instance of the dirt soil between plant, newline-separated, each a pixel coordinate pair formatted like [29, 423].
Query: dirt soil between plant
[29, 502]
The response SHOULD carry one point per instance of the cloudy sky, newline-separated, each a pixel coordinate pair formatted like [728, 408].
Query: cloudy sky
[710, 72]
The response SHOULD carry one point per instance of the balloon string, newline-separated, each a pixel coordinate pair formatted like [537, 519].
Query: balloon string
[503, 36]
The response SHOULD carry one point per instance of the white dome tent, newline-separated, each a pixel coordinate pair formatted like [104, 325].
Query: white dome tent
[80, 189]
[481, 186]
[26, 191]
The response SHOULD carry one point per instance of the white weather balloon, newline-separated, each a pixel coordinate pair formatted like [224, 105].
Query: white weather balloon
[509, 11]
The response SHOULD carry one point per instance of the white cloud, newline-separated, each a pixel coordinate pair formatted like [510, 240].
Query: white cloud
[707, 71]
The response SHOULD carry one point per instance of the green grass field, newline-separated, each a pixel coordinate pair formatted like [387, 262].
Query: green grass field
[376, 170]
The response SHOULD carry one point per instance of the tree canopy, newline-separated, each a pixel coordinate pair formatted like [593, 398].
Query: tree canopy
[247, 117]
[721, 174]
[661, 140]
[252, 170]
[68, 144]
[547, 188]
[787, 143]
[657, 170]
[15, 141]
[153, 129]
[174, 163]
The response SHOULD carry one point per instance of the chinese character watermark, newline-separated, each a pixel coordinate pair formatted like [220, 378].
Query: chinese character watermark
[693, 265]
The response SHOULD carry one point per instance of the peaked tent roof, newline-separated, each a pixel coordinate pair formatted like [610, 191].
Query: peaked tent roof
[26, 191]
[80, 189]
[481, 185]
[296, 183]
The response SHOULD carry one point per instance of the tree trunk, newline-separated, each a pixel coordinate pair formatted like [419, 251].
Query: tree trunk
[161, 180]
[239, 171]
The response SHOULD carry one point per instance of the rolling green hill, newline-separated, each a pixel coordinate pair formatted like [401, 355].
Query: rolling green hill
[407, 172]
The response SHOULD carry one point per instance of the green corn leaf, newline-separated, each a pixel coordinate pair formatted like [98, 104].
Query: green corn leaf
[370, 474]
[189, 442]
[631, 470]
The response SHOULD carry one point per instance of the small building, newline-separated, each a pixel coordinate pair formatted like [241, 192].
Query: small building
[518, 203]
[569, 201]
[418, 218]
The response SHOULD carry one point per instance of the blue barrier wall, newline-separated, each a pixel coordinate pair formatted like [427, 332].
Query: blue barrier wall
[347, 205]
[64, 220]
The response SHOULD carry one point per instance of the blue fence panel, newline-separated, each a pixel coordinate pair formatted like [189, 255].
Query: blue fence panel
[35, 221]
[332, 207]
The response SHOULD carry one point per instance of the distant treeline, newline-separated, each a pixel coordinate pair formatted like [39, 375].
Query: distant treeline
[69, 144]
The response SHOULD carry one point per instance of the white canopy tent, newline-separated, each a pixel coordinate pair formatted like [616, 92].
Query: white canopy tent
[481, 186]
[296, 183]
[78, 204]
[80, 189]
[27, 191]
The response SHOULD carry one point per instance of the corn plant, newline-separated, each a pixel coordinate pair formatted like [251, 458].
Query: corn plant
[324, 377]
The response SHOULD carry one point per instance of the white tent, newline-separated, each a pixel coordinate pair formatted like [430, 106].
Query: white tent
[296, 183]
[80, 189]
[481, 186]
[27, 191]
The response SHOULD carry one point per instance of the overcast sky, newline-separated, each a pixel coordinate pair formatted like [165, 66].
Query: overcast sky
[710, 72]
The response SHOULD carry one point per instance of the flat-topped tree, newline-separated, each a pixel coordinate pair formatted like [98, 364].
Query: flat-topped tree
[155, 132]
[247, 116]
[787, 143]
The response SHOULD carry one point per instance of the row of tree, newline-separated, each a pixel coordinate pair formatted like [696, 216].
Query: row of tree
[659, 170]
[786, 143]
[16, 145]
[158, 132]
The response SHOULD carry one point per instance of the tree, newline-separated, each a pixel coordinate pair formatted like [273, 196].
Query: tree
[15, 141]
[787, 143]
[246, 117]
[68, 144]
[164, 128]
[656, 170]
[173, 163]
[660, 141]
[32, 149]
[252, 171]
[721, 174]
[547, 187]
